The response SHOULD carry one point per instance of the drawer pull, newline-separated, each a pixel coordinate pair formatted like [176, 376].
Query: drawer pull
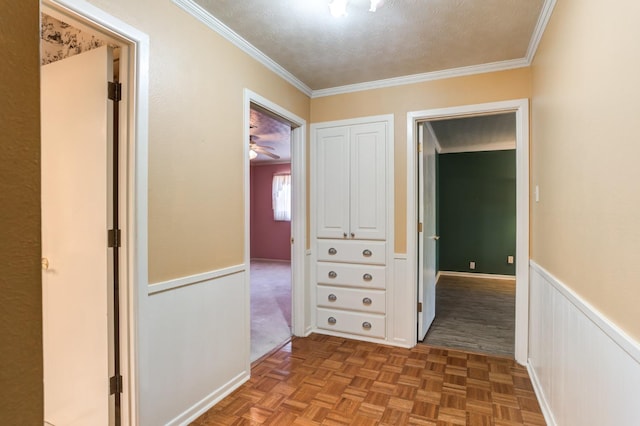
[353, 235]
[344, 234]
[332, 274]
[332, 297]
[332, 320]
[332, 251]
[366, 301]
[366, 325]
[367, 253]
[367, 277]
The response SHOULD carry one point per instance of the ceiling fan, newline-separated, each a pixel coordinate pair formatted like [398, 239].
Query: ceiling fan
[255, 149]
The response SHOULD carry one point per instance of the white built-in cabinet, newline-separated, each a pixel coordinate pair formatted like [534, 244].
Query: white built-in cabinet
[352, 208]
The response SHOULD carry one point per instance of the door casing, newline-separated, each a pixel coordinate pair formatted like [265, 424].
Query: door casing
[521, 109]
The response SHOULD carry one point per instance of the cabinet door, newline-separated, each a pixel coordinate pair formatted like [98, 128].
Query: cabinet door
[332, 198]
[368, 181]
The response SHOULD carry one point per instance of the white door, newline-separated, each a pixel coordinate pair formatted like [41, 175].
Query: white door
[75, 142]
[368, 198]
[332, 160]
[427, 238]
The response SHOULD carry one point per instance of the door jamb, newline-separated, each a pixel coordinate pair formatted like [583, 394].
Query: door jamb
[298, 208]
[521, 108]
[134, 143]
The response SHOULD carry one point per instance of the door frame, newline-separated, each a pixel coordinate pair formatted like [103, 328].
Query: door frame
[298, 209]
[134, 136]
[521, 108]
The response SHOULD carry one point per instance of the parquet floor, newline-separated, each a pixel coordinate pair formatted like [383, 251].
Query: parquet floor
[324, 380]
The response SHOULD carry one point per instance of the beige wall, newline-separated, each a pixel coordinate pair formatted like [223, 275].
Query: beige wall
[21, 390]
[399, 100]
[196, 147]
[586, 154]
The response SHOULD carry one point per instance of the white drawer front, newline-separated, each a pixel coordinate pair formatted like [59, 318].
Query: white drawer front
[368, 276]
[372, 325]
[351, 298]
[371, 252]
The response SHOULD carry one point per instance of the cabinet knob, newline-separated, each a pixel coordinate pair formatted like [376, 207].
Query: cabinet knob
[331, 320]
[367, 277]
[366, 325]
[332, 251]
[367, 253]
[353, 235]
[344, 235]
[332, 274]
[366, 301]
[332, 297]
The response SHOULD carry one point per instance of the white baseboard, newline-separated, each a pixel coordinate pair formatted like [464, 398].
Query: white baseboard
[260, 259]
[475, 275]
[209, 401]
[584, 369]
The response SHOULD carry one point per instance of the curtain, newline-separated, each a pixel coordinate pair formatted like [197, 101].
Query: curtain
[281, 195]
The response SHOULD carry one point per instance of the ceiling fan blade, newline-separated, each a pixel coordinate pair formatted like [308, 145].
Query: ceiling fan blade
[265, 147]
[267, 153]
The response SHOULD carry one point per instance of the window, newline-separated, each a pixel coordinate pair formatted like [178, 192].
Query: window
[281, 194]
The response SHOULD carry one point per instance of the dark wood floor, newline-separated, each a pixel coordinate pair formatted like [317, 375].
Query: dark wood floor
[474, 314]
[323, 380]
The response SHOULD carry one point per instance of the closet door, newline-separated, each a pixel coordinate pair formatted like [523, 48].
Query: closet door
[368, 181]
[332, 200]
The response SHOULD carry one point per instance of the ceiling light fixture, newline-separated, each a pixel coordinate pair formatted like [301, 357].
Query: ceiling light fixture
[338, 8]
[252, 154]
[374, 5]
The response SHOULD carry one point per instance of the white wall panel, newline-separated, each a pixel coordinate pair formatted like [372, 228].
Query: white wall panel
[585, 370]
[196, 340]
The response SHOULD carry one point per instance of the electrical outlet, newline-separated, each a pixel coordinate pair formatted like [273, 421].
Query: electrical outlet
[510, 260]
[472, 265]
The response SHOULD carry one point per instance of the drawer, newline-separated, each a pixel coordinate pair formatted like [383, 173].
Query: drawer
[371, 252]
[351, 298]
[367, 276]
[372, 325]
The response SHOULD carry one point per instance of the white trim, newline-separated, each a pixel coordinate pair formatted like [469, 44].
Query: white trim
[298, 208]
[400, 256]
[137, 137]
[212, 22]
[193, 279]
[541, 25]
[542, 400]
[615, 333]
[423, 77]
[521, 108]
[263, 259]
[202, 406]
[496, 146]
[476, 275]
[429, 128]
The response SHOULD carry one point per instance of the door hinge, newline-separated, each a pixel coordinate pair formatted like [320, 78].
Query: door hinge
[419, 226]
[115, 91]
[114, 238]
[419, 147]
[115, 385]
[419, 306]
[292, 240]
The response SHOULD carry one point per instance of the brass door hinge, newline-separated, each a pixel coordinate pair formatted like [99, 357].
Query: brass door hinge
[419, 306]
[419, 226]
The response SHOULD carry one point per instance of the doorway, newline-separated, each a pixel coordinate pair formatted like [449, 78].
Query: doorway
[270, 269]
[258, 245]
[520, 109]
[88, 230]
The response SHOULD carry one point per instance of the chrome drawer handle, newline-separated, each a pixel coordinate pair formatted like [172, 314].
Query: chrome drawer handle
[344, 235]
[331, 320]
[332, 274]
[367, 277]
[353, 235]
[332, 297]
[366, 325]
[367, 253]
[332, 251]
[366, 301]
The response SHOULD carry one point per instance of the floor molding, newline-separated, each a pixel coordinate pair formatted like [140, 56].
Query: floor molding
[476, 275]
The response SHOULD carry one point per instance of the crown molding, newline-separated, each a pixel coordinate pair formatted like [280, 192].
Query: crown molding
[495, 146]
[212, 22]
[420, 78]
[541, 25]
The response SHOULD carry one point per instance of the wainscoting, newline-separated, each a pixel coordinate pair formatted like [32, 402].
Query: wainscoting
[585, 370]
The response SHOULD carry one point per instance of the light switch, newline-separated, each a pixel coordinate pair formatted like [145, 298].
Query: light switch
[510, 260]
[537, 192]
[472, 265]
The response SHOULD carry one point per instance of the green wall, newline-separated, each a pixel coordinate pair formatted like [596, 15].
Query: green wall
[477, 211]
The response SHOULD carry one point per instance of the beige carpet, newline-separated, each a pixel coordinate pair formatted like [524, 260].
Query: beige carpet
[270, 306]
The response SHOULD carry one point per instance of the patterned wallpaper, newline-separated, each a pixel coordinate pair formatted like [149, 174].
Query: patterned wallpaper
[60, 40]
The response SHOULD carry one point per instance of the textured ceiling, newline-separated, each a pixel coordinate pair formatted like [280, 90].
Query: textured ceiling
[270, 131]
[482, 133]
[404, 37]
